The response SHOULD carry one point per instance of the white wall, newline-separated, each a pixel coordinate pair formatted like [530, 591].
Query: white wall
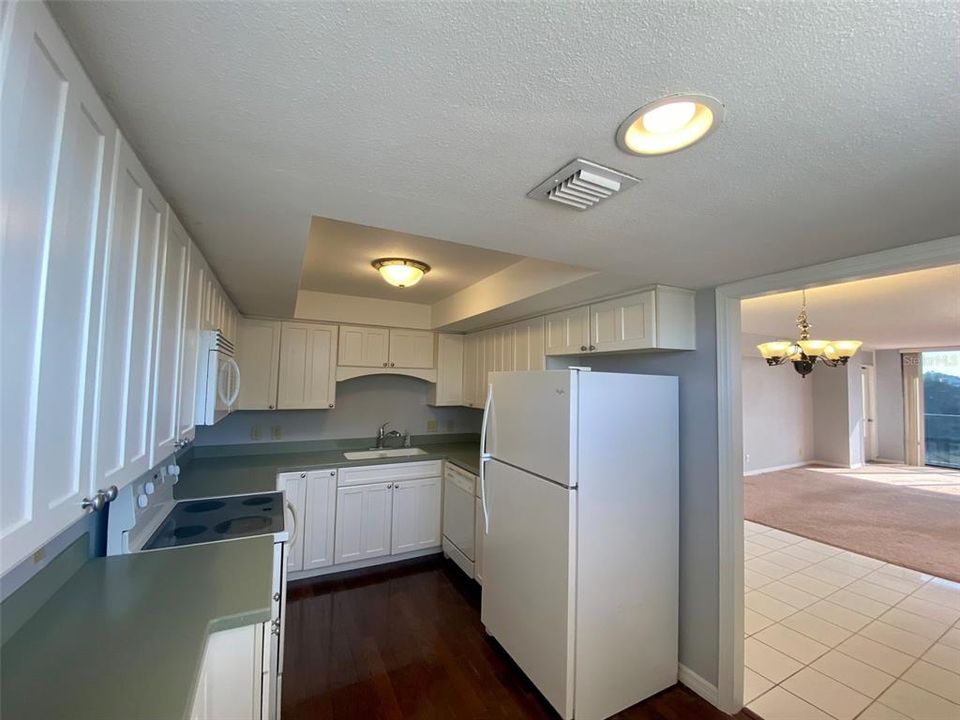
[699, 472]
[330, 307]
[777, 416]
[363, 404]
[889, 418]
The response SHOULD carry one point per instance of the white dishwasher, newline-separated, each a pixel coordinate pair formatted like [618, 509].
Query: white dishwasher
[459, 508]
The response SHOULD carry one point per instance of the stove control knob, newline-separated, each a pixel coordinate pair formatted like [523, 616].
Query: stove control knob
[149, 487]
[173, 470]
[143, 500]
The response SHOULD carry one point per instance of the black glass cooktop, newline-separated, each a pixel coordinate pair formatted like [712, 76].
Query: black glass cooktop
[222, 518]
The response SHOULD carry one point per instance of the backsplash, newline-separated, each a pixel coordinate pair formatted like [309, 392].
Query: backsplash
[363, 404]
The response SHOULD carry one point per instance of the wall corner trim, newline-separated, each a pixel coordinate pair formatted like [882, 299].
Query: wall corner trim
[701, 687]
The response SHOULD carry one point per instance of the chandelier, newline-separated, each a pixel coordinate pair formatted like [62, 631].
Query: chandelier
[805, 353]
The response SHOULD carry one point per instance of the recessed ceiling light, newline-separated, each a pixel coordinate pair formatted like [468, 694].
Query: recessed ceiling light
[669, 124]
[401, 272]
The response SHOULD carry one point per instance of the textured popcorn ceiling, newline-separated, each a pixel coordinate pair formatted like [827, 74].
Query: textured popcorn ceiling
[842, 130]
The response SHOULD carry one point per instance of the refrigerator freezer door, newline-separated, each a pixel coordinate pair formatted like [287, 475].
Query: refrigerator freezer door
[532, 422]
[529, 577]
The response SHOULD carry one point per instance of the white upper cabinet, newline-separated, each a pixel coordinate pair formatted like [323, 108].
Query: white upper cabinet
[624, 323]
[258, 354]
[190, 355]
[471, 347]
[125, 397]
[411, 348]
[567, 332]
[528, 350]
[168, 350]
[308, 357]
[364, 346]
[448, 389]
[57, 154]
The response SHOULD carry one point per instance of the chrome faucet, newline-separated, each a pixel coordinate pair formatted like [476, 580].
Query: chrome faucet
[383, 434]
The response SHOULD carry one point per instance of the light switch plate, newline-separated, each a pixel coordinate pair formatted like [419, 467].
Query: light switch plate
[254, 432]
[276, 432]
[431, 425]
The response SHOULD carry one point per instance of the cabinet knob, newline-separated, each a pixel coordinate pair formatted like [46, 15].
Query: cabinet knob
[592, 348]
[330, 405]
[95, 503]
[269, 407]
[110, 494]
[384, 364]
[391, 364]
[303, 475]
[276, 597]
[583, 348]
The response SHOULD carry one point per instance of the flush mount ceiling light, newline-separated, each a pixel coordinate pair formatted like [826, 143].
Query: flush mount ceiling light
[669, 124]
[401, 272]
[805, 353]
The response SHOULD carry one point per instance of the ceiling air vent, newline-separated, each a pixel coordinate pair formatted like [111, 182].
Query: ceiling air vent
[582, 184]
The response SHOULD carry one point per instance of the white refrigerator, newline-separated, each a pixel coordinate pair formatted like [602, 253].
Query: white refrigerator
[579, 490]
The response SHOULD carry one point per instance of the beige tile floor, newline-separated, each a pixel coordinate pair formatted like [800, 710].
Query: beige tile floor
[833, 635]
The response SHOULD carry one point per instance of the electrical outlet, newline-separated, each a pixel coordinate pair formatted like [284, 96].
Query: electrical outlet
[449, 425]
[254, 432]
[39, 556]
[276, 432]
[431, 425]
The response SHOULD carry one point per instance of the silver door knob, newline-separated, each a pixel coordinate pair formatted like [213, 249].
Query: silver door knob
[110, 494]
[95, 503]
[276, 597]
[303, 475]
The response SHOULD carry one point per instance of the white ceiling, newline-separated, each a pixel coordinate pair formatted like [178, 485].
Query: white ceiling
[911, 310]
[842, 131]
[339, 254]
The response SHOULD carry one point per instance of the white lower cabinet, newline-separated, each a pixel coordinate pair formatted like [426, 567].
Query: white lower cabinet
[294, 485]
[231, 677]
[319, 518]
[363, 522]
[416, 515]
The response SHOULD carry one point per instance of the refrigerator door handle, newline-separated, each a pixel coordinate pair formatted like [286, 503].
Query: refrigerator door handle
[484, 459]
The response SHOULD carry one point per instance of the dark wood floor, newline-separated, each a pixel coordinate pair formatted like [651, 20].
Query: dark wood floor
[407, 643]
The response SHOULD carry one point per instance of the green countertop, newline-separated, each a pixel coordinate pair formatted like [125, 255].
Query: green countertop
[124, 637]
[234, 470]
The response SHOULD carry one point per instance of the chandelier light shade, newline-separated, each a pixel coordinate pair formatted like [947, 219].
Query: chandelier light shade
[401, 272]
[805, 352]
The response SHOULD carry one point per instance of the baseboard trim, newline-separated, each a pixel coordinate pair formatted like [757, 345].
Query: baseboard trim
[701, 687]
[775, 468]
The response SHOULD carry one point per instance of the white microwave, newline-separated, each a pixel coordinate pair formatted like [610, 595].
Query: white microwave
[218, 382]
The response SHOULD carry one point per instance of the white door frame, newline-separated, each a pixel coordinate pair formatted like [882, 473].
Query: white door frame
[868, 384]
[934, 253]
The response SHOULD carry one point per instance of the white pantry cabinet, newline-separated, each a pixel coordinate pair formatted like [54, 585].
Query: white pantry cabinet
[319, 519]
[190, 357]
[308, 357]
[174, 259]
[364, 346]
[56, 169]
[258, 354]
[449, 358]
[125, 391]
[364, 514]
[294, 487]
[416, 515]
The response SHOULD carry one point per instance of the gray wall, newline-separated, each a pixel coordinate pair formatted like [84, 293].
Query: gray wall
[699, 473]
[775, 398]
[890, 430]
[362, 405]
[831, 430]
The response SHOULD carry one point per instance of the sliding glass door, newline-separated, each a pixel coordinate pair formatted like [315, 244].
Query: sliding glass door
[941, 408]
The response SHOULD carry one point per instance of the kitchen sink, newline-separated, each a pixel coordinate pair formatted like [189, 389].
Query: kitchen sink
[376, 454]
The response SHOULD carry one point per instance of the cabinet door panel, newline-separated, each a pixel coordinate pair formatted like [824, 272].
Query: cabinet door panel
[470, 370]
[411, 348]
[320, 519]
[363, 522]
[258, 354]
[450, 371]
[416, 515]
[167, 354]
[363, 346]
[294, 485]
[567, 333]
[624, 323]
[56, 160]
[190, 357]
[308, 354]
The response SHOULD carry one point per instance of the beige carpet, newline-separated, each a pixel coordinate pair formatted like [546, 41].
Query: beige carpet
[906, 516]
